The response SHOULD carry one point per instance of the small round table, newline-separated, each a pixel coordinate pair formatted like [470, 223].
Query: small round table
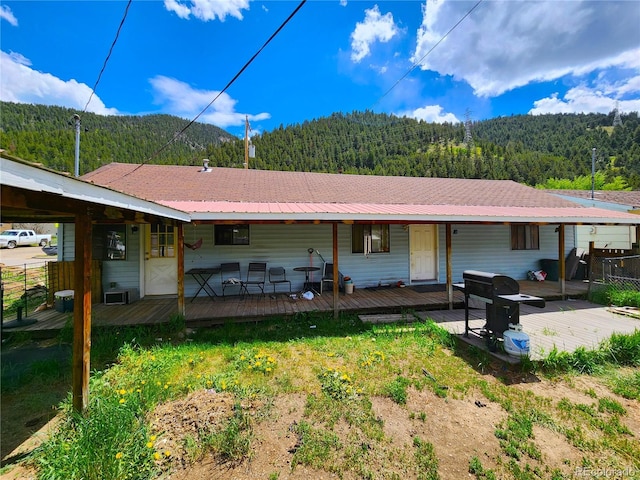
[307, 284]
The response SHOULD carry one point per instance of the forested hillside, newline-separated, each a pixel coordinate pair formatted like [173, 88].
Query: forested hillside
[527, 149]
[46, 134]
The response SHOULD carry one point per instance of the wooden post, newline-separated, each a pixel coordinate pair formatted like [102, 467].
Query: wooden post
[181, 304]
[336, 275]
[592, 249]
[561, 261]
[82, 314]
[449, 266]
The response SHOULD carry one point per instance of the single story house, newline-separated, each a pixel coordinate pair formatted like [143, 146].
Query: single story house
[377, 230]
[605, 236]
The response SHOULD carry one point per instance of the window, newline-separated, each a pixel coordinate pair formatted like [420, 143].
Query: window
[232, 234]
[376, 236]
[525, 237]
[162, 241]
[109, 242]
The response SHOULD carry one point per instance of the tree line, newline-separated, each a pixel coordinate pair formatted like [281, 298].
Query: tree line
[524, 148]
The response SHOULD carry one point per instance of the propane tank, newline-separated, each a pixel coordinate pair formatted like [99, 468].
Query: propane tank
[516, 342]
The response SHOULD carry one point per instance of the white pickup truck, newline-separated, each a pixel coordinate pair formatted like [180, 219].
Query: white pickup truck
[16, 238]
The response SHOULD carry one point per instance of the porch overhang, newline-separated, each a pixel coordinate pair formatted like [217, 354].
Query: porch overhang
[34, 194]
[248, 212]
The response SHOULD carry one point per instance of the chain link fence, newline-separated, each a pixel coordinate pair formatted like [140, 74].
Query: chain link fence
[24, 287]
[618, 273]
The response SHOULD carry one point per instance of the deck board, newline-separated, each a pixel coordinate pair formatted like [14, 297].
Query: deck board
[563, 324]
[204, 310]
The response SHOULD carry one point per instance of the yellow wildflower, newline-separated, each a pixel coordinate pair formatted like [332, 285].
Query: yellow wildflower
[122, 392]
[167, 453]
[156, 456]
[153, 438]
[149, 444]
[122, 401]
[118, 455]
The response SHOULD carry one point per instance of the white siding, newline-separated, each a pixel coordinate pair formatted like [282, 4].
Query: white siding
[476, 247]
[125, 273]
[605, 236]
[488, 248]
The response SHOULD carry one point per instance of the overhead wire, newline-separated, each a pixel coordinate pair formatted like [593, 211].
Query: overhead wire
[106, 60]
[246, 65]
[417, 64]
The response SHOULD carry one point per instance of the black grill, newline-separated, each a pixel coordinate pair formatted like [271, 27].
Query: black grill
[502, 297]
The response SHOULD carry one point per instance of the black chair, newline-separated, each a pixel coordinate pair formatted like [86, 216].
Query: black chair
[278, 276]
[256, 276]
[327, 276]
[230, 276]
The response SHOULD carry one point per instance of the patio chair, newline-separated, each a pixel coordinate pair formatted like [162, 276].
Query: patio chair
[327, 276]
[256, 276]
[230, 276]
[278, 276]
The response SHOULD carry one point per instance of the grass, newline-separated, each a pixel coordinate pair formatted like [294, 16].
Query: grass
[340, 366]
[616, 295]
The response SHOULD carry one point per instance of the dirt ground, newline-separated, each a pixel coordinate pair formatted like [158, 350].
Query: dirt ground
[457, 428]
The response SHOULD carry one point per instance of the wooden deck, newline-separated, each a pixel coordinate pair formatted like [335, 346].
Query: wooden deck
[203, 311]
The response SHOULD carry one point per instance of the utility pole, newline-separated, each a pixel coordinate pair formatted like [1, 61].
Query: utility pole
[246, 142]
[76, 118]
[249, 148]
[593, 171]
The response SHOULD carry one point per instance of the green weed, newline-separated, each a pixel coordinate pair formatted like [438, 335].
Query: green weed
[426, 460]
[397, 390]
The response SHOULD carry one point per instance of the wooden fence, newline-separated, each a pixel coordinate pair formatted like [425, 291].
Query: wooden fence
[61, 275]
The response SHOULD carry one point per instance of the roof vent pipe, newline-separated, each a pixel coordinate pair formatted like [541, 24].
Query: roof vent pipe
[205, 165]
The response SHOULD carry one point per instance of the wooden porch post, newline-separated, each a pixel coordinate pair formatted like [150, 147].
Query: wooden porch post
[592, 249]
[561, 260]
[181, 304]
[82, 313]
[336, 278]
[449, 266]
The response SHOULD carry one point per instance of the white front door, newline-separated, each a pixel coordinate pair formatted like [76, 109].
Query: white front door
[423, 252]
[161, 264]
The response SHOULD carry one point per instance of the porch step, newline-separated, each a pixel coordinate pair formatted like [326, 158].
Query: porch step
[387, 318]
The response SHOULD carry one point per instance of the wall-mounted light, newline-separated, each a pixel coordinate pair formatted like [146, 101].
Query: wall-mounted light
[455, 231]
[134, 229]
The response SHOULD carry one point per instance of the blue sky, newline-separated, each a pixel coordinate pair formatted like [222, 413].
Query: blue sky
[174, 57]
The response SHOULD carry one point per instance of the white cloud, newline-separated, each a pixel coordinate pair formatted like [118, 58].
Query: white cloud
[20, 83]
[180, 99]
[585, 99]
[206, 10]
[7, 14]
[430, 114]
[376, 27]
[501, 46]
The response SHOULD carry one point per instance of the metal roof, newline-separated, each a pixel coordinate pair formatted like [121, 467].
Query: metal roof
[227, 194]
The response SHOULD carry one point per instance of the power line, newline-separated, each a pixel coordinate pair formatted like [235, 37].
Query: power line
[104, 65]
[416, 65]
[273, 35]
